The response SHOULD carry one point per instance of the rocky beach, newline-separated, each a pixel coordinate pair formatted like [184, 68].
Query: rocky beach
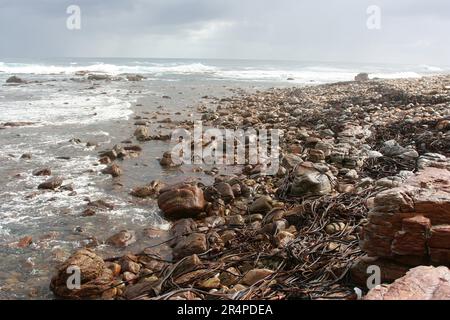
[363, 181]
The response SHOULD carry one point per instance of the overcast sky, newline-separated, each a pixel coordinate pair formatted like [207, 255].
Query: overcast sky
[412, 31]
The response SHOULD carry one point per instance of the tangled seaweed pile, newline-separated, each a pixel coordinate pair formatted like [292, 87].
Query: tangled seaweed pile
[296, 234]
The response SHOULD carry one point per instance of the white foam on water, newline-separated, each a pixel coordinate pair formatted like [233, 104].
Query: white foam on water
[63, 108]
[112, 69]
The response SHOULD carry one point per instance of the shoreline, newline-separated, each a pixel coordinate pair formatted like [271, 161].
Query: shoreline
[337, 129]
[341, 128]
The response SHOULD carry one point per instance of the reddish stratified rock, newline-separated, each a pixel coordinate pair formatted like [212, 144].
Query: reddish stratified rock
[95, 276]
[181, 201]
[407, 227]
[421, 283]
[412, 220]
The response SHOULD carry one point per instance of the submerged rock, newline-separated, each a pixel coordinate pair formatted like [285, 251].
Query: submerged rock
[122, 239]
[15, 79]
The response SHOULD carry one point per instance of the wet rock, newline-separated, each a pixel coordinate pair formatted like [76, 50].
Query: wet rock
[101, 204]
[135, 77]
[114, 170]
[26, 156]
[311, 180]
[122, 239]
[88, 212]
[42, 172]
[421, 283]
[167, 160]
[95, 276]
[150, 190]
[25, 242]
[51, 184]
[15, 79]
[255, 275]
[142, 133]
[99, 77]
[225, 191]
[181, 201]
[236, 220]
[192, 244]
[362, 77]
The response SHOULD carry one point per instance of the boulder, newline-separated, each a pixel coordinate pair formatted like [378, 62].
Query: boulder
[181, 201]
[42, 172]
[194, 243]
[135, 77]
[361, 77]
[311, 180]
[99, 77]
[261, 205]
[122, 239]
[421, 283]
[96, 277]
[15, 79]
[407, 226]
[114, 170]
[142, 133]
[51, 184]
[149, 190]
[167, 160]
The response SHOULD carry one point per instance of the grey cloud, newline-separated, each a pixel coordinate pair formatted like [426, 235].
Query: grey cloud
[413, 31]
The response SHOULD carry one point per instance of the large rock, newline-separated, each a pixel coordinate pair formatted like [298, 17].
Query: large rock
[95, 277]
[311, 180]
[51, 184]
[142, 133]
[181, 201]
[421, 283]
[195, 243]
[122, 239]
[361, 77]
[412, 220]
[409, 226]
[15, 79]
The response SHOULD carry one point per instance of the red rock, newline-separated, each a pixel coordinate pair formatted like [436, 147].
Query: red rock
[96, 277]
[440, 237]
[25, 242]
[421, 283]
[409, 223]
[114, 170]
[181, 201]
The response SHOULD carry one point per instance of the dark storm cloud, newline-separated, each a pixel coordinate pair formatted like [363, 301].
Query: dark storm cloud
[413, 31]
